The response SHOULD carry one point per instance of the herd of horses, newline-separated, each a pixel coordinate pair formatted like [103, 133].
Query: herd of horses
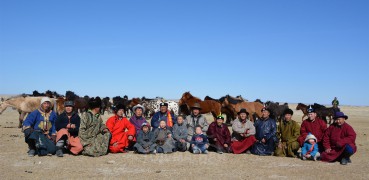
[227, 105]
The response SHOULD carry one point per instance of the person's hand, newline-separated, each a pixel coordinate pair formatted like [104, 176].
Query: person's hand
[68, 126]
[328, 150]
[280, 145]
[73, 126]
[193, 145]
[243, 135]
[206, 145]
[225, 145]
[215, 139]
[130, 138]
[115, 144]
[247, 131]
[263, 140]
[308, 155]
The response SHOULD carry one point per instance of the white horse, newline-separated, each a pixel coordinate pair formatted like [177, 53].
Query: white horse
[173, 106]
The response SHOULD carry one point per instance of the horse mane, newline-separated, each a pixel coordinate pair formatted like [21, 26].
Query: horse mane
[70, 96]
[233, 100]
[318, 106]
[210, 98]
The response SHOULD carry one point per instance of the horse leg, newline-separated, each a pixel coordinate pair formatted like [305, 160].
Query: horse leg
[21, 117]
[252, 118]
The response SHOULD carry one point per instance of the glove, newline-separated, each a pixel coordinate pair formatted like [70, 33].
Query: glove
[28, 132]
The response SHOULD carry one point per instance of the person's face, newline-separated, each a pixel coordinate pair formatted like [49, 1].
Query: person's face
[138, 112]
[163, 109]
[219, 122]
[287, 117]
[120, 112]
[96, 110]
[145, 129]
[180, 120]
[312, 116]
[311, 141]
[68, 109]
[243, 116]
[198, 130]
[265, 114]
[162, 124]
[46, 105]
[340, 121]
[196, 112]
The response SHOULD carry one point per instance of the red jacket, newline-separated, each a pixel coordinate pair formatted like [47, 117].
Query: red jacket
[120, 130]
[317, 128]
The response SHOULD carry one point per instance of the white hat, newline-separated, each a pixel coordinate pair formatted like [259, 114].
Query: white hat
[310, 136]
[138, 106]
[45, 99]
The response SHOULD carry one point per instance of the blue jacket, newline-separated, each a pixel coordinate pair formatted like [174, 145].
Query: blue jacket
[307, 147]
[158, 116]
[199, 140]
[34, 119]
[265, 129]
[62, 121]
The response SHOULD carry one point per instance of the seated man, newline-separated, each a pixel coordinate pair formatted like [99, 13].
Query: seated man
[39, 130]
[266, 129]
[122, 131]
[219, 136]
[243, 136]
[339, 141]
[164, 114]
[67, 125]
[195, 119]
[93, 133]
[288, 132]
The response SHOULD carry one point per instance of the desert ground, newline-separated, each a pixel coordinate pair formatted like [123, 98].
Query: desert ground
[15, 164]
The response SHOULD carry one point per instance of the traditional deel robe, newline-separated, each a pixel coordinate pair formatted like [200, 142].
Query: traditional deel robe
[222, 135]
[120, 128]
[266, 129]
[144, 143]
[168, 117]
[316, 127]
[95, 142]
[288, 132]
[180, 132]
[192, 121]
[339, 139]
[137, 122]
[242, 143]
[63, 129]
[164, 144]
[43, 125]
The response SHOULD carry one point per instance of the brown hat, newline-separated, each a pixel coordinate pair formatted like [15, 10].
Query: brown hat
[243, 110]
[196, 106]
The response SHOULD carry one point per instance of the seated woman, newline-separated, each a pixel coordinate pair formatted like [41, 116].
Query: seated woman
[93, 133]
[243, 136]
[122, 131]
[219, 136]
[144, 145]
[163, 138]
[339, 141]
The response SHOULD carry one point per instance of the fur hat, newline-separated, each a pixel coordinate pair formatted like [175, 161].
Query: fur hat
[288, 111]
[145, 124]
[69, 103]
[138, 106]
[310, 136]
[311, 109]
[94, 102]
[119, 106]
[45, 99]
[243, 110]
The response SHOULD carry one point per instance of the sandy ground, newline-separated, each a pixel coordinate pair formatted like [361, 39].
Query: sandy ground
[15, 164]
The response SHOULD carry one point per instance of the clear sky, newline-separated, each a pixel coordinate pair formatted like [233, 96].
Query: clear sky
[287, 50]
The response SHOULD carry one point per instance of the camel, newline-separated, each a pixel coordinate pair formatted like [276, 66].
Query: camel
[24, 105]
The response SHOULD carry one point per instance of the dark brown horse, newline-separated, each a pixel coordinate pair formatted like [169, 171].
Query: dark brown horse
[225, 110]
[303, 108]
[207, 106]
[321, 111]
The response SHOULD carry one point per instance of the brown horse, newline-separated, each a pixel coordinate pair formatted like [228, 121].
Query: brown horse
[253, 108]
[24, 105]
[303, 108]
[207, 106]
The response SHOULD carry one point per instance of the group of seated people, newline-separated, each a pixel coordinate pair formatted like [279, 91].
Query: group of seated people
[48, 133]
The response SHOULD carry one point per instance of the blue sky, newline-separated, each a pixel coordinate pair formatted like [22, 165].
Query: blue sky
[287, 51]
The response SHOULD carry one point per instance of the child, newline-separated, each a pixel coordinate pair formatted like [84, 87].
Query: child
[180, 134]
[310, 148]
[144, 145]
[163, 138]
[199, 142]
